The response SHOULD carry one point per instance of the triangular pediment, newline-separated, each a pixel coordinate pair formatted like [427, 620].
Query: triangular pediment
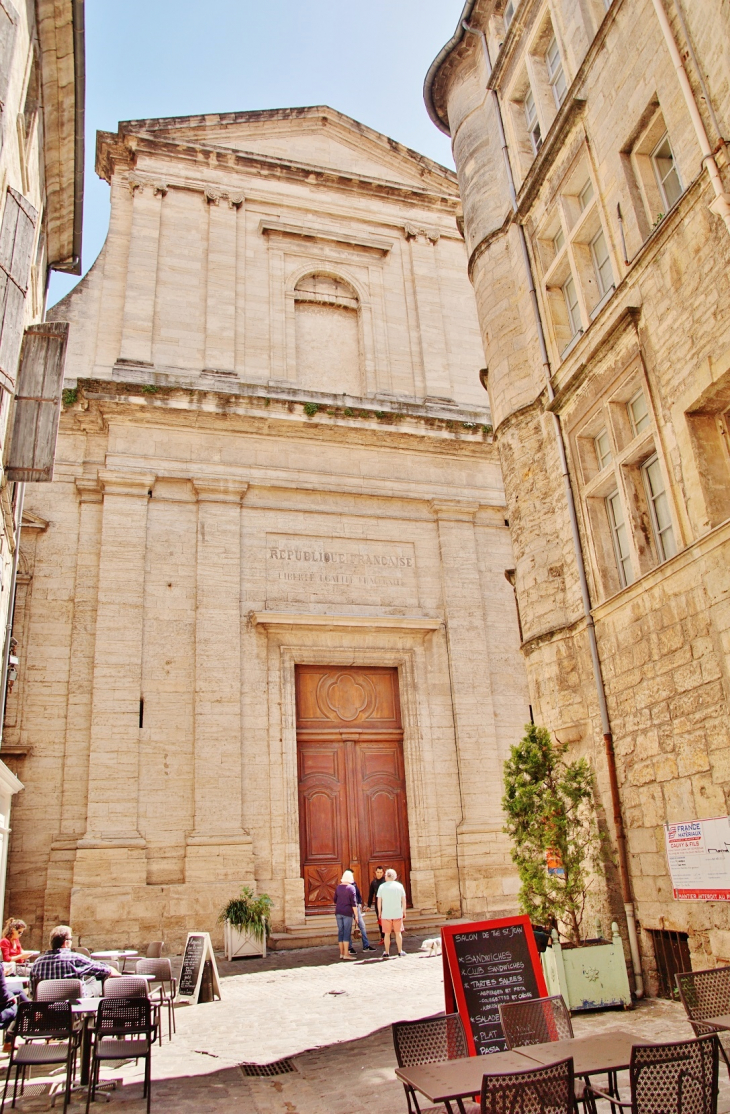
[317, 136]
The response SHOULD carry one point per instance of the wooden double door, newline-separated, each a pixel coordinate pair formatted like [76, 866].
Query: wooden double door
[352, 796]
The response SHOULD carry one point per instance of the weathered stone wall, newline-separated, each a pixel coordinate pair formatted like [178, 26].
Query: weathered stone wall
[161, 624]
[663, 639]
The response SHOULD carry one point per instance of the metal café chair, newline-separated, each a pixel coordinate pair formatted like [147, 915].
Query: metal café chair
[680, 1077]
[82, 951]
[163, 988]
[132, 986]
[52, 1025]
[155, 949]
[706, 994]
[124, 1030]
[430, 1041]
[535, 1021]
[538, 1021]
[58, 990]
[547, 1090]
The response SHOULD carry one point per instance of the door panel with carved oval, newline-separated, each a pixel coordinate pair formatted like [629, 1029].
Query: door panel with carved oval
[352, 798]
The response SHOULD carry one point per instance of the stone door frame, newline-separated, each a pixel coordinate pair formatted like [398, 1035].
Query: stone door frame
[405, 660]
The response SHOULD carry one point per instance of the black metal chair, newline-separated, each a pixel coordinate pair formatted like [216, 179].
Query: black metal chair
[706, 994]
[124, 1030]
[548, 1090]
[163, 988]
[51, 1024]
[680, 1077]
[429, 1042]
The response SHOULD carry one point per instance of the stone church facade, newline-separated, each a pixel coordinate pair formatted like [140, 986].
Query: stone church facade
[265, 625]
[590, 143]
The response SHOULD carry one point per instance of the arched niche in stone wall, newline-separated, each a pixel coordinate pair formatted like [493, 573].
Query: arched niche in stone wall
[328, 334]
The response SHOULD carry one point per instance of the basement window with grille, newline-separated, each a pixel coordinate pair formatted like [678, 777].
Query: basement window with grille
[672, 956]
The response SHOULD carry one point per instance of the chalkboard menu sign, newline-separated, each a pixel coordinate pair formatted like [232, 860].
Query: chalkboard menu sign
[191, 964]
[198, 958]
[484, 964]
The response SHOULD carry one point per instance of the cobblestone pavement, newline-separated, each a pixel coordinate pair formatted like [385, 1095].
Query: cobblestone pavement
[333, 1020]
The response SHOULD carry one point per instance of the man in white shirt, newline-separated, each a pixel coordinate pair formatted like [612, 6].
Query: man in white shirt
[392, 911]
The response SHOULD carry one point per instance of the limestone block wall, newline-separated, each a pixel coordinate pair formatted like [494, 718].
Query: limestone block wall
[159, 726]
[656, 327]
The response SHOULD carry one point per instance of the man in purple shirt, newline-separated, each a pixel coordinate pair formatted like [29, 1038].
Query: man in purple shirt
[61, 963]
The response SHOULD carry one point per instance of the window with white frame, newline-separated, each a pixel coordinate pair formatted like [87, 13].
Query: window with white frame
[657, 176]
[559, 241]
[556, 74]
[661, 520]
[665, 168]
[533, 124]
[601, 263]
[571, 302]
[638, 412]
[619, 535]
[585, 196]
[602, 443]
[625, 488]
[509, 14]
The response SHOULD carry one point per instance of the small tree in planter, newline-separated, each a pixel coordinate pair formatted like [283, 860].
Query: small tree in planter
[551, 816]
[246, 917]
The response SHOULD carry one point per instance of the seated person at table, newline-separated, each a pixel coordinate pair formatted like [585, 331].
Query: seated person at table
[8, 1006]
[62, 963]
[10, 944]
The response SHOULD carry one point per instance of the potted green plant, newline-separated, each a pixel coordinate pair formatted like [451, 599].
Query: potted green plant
[558, 852]
[244, 921]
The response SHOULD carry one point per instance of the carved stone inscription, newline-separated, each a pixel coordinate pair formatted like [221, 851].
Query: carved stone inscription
[304, 569]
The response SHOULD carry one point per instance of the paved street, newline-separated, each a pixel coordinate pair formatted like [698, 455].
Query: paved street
[332, 1019]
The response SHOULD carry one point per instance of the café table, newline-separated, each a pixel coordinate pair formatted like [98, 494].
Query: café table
[597, 1054]
[116, 953]
[85, 1009]
[455, 1079]
[449, 1080]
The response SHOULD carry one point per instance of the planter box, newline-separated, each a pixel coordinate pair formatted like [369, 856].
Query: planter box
[238, 944]
[591, 977]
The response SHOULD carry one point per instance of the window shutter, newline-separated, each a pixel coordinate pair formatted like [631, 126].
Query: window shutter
[38, 403]
[8, 28]
[17, 234]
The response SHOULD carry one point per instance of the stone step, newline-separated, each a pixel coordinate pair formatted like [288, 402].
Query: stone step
[321, 929]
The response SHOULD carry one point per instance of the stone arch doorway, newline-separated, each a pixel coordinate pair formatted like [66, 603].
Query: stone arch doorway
[352, 796]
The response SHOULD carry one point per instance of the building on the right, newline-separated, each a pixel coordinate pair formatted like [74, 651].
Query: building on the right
[588, 140]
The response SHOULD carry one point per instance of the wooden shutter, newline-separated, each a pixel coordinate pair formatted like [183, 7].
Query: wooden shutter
[17, 234]
[8, 29]
[38, 403]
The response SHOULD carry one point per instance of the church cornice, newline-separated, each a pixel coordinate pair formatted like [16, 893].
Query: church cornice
[413, 428]
[123, 152]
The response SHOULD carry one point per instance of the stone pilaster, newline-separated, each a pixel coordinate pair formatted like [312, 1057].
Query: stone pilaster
[112, 852]
[220, 317]
[78, 716]
[430, 314]
[218, 848]
[141, 286]
[482, 848]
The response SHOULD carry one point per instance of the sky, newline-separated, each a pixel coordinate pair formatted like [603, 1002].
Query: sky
[147, 58]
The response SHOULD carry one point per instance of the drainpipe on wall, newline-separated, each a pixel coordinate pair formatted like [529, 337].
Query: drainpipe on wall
[721, 205]
[623, 864]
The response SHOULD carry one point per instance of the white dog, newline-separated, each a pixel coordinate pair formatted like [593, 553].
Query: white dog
[432, 946]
